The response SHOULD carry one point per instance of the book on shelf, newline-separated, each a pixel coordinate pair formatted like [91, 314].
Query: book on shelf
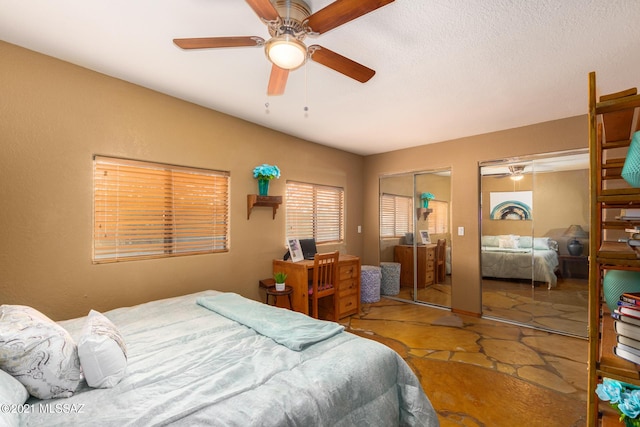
[628, 348]
[629, 309]
[630, 342]
[629, 214]
[631, 298]
[626, 354]
[625, 318]
[627, 329]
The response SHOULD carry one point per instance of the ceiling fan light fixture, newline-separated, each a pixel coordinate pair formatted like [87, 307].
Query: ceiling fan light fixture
[516, 177]
[286, 52]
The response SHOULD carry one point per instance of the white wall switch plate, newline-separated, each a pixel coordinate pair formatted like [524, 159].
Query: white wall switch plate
[460, 231]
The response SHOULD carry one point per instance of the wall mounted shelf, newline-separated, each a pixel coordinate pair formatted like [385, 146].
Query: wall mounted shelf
[424, 212]
[266, 201]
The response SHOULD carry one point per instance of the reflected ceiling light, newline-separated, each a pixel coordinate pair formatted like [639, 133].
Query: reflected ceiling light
[516, 172]
[286, 52]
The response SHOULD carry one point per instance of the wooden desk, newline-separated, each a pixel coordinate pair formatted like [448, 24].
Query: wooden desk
[426, 264]
[300, 274]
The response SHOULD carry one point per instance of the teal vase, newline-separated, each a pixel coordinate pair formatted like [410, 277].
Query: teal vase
[425, 203]
[263, 187]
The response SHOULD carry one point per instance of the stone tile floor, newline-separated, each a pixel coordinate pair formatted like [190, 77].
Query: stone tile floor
[479, 372]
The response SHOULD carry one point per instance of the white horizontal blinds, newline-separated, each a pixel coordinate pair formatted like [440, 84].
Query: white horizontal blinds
[438, 219]
[329, 214]
[396, 215]
[315, 211]
[149, 210]
[300, 209]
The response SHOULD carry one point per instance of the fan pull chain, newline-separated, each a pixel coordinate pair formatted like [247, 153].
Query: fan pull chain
[306, 91]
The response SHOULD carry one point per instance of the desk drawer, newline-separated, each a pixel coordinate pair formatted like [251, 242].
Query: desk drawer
[347, 271]
[429, 278]
[348, 305]
[347, 287]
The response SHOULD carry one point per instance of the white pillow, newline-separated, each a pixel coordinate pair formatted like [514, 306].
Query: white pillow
[541, 243]
[12, 392]
[38, 352]
[102, 352]
[509, 242]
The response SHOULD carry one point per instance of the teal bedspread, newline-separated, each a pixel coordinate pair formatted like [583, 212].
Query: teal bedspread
[190, 366]
[289, 328]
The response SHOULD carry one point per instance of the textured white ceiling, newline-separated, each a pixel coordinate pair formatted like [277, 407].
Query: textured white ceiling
[444, 68]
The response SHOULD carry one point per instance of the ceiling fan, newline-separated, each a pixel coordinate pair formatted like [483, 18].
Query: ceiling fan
[289, 22]
[516, 173]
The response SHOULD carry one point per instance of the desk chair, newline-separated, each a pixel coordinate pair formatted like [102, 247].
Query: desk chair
[441, 260]
[325, 282]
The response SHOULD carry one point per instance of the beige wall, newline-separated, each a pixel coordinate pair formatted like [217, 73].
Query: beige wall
[462, 156]
[55, 116]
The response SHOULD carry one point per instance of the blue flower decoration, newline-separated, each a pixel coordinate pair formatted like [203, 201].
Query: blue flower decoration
[630, 405]
[609, 391]
[624, 397]
[428, 196]
[266, 171]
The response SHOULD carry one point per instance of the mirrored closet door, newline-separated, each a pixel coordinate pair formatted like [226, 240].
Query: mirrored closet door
[534, 241]
[415, 212]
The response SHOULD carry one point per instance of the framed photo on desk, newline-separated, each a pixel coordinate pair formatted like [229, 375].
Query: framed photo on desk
[424, 236]
[295, 250]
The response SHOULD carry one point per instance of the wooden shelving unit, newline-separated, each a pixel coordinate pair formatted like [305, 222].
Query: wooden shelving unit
[254, 200]
[612, 121]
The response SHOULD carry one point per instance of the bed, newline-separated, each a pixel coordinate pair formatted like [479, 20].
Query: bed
[510, 257]
[188, 362]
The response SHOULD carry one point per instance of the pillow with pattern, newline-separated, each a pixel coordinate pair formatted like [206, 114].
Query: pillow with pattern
[102, 352]
[13, 393]
[38, 352]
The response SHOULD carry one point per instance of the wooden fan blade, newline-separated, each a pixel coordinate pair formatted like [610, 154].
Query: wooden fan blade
[340, 63]
[277, 80]
[341, 12]
[216, 42]
[264, 9]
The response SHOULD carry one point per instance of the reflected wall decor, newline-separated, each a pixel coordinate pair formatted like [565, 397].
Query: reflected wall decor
[511, 205]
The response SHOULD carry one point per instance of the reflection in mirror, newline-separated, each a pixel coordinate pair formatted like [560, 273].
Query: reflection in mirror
[414, 218]
[528, 275]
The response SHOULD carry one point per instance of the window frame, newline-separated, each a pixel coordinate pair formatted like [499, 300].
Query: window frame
[400, 206]
[149, 210]
[304, 218]
[439, 217]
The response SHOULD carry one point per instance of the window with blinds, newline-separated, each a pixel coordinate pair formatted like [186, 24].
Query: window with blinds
[396, 215]
[149, 210]
[438, 221]
[315, 211]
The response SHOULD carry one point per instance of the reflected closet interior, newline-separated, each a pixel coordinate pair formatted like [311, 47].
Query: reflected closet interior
[415, 232]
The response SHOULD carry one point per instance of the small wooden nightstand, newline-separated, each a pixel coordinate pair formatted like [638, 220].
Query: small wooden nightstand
[269, 286]
[574, 267]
